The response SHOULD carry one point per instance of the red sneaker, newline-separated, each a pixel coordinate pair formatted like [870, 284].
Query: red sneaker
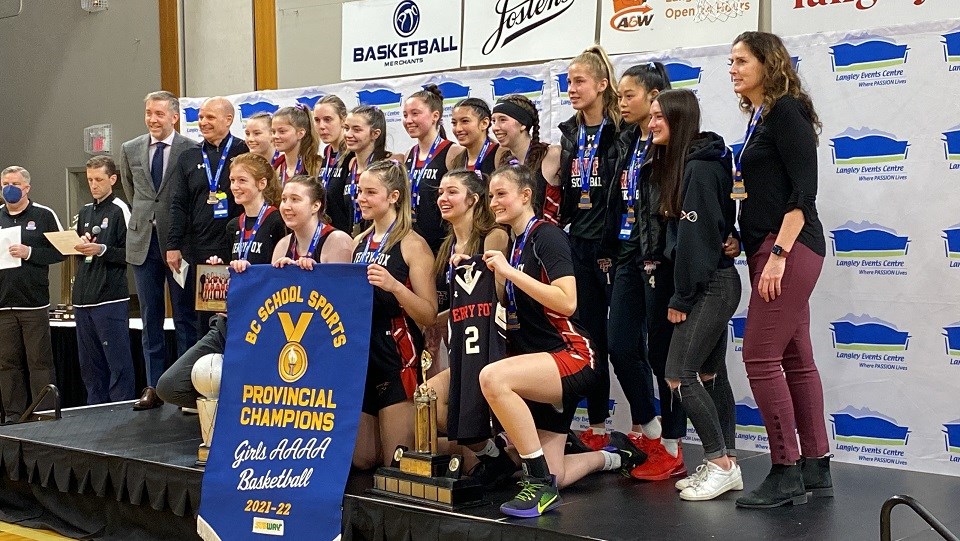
[645, 444]
[594, 441]
[660, 464]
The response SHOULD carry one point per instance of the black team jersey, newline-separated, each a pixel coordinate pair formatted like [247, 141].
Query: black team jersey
[271, 231]
[429, 224]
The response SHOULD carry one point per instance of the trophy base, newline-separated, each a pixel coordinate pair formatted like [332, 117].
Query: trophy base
[439, 492]
[203, 453]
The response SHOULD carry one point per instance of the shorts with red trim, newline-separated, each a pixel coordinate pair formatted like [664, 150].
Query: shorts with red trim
[575, 386]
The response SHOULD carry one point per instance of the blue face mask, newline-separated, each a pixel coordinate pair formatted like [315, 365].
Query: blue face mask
[12, 194]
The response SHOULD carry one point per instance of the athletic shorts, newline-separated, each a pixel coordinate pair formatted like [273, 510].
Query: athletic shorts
[575, 387]
[379, 395]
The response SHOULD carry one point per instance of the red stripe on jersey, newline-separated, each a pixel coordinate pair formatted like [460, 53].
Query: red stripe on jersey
[407, 351]
[578, 351]
[551, 203]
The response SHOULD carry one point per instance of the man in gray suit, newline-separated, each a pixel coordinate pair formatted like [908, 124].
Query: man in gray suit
[146, 166]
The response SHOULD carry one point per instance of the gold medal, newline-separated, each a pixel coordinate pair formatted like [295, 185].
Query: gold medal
[585, 203]
[739, 192]
[631, 217]
[512, 322]
[212, 199]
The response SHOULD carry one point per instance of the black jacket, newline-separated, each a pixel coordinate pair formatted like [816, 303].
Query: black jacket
[104, 278]
[695, 241]
[648, 236]
[193, 229]
[28, 286]
[608, 154]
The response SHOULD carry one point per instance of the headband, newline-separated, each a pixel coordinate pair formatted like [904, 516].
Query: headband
[515, 112]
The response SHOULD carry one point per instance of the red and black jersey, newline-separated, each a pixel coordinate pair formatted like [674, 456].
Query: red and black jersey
[271, 231]
[429, 224]
[340, 207]
[546, 257]
[293, 251]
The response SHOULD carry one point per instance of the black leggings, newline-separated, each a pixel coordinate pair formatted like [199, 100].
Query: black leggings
[594, 285]
[627, 333]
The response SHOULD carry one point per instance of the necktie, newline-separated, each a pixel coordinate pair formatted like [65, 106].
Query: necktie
[156, 166]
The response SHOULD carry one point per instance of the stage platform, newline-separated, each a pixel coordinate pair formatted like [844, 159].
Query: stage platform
[110, 473]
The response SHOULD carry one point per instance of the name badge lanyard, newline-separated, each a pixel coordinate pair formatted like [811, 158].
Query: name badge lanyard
[297, 171]
[416, 173]
[313, 242]
[355, 186]
[453, 250]
[244, 249]
[380, 245]
[739, 192]
[328, 169]
[512, 321]
[633, 175]
[585, 156]
[213, 180]
[482, 155]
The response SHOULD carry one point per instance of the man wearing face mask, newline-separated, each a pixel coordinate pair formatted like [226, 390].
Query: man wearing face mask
[203, 202]
[25, 297]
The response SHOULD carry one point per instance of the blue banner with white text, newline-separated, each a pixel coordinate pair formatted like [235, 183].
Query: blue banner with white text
[289, 405]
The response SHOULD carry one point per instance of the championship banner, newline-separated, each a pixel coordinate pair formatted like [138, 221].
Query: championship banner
[510, 31]
[791, 17]
[289, 403]
[627, 26]
[385, 38]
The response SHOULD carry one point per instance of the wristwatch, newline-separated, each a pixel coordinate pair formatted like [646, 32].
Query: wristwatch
[778, 250]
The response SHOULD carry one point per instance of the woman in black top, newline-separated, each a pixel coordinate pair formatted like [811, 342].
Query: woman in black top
[471, 124]
[785, 249]
[429, 159]
[328, 116]
[399, 266]
[311, 239]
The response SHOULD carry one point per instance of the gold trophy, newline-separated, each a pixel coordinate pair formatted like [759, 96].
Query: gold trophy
[423, 475]
[206, 380]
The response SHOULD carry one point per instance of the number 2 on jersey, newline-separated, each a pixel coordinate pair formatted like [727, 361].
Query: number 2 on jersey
[472, 335]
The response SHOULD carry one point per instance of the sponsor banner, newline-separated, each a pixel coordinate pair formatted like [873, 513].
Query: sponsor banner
[870, 437]
[792, 17]
[385, 38]
[289, 408]
[632, 25]
[510, 31]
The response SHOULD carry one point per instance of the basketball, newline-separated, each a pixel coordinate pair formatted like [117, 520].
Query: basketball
[206, 374]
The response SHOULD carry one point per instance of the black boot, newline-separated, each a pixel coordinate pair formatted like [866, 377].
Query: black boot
[783, 486]
[816, 476]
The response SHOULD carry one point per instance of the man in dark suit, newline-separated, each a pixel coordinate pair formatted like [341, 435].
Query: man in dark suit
[146, 172]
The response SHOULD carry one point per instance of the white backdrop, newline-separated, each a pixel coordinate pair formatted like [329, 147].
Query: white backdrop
[885, 317]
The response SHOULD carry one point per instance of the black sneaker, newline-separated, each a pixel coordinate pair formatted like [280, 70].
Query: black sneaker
[535, 498]
[631, 456]
[575, 445]
[493, 471]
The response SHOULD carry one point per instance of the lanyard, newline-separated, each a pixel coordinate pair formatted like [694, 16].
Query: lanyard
[482, 155]
[298, 170]
[328, 167]
[453, 248]
[738, 175]
[586, 160]
[214, 180]
[244, 248]
[633, 174]
[416, 173]
[354, 187]
[380, 245]
[313, 243]
[515, 254]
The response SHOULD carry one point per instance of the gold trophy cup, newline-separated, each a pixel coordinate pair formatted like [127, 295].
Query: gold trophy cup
[423, 475]
[206, 380]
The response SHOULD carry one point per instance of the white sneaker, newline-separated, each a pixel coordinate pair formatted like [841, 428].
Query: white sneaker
[714, 483]
[695, 478]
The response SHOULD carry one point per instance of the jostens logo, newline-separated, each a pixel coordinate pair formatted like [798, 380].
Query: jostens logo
[682, 74]
[630, 15]
[951, 147]
[870, 60]
[951, 437]
[406, 18]
[951, 50]
[951, 245]
[750, 425]
[873, 342]
[951, 339]
[517, 17]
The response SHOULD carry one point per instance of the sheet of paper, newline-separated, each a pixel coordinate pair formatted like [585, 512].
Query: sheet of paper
[181, 275]
[64, 241]
[8, 237]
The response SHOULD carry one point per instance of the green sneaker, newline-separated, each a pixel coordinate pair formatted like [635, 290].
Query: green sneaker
[535, 498]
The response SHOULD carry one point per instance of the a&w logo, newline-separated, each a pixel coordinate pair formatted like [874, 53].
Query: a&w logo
[630, 15]
[517, 17]
[406, 18]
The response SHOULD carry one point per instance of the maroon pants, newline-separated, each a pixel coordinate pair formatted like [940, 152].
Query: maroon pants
[779, 357]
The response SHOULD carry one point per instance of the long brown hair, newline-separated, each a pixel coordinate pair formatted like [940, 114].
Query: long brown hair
[537, 150]
[317, 193]
[681, 111]
[482, 110]
[259, 168]
[476, 184]
[779, 77]
[377, 121]
[393, 176]
[301, 118]
[597, 62]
